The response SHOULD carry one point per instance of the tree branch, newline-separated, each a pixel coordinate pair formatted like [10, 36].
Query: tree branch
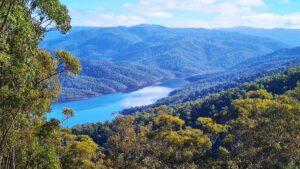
[52, 75]
[7, 14]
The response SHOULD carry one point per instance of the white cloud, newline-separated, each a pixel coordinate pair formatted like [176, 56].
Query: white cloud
[106, 19]
[225, 13]
[263, 20]
[217, 6]
[158, 14]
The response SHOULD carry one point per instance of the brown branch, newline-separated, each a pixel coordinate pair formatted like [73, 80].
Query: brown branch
[48, 24]
[7, 14]
[7, 131]
[52, 75]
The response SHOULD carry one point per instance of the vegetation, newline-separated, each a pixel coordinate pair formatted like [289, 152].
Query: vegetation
[181, 51]
[29, 84]
[245, 72]
[254, 126]
[102, 77]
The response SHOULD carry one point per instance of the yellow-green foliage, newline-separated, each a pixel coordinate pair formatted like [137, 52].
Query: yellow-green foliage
[78, 152]
[187, 137]
[211, 125]
[261, 93]
[168, 121]
[29, 83]
[71, 63]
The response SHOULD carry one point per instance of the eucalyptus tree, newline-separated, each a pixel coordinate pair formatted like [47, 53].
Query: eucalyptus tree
[29, 82]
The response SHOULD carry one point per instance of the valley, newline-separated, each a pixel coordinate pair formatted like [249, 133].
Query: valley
[122, 59]
[119, 61]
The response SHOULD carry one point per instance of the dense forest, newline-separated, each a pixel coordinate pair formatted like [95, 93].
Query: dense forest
[221, 55]
[103, 77]
[183, 51]
[253, 126]
[211, 83]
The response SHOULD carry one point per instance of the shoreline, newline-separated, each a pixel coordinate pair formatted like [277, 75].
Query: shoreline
[127, 90]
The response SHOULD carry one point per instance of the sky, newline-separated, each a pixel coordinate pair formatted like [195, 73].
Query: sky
[186, 13]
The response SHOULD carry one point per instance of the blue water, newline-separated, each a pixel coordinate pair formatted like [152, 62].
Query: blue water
[102, 108]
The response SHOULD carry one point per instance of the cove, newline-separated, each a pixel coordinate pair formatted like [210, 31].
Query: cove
[102, 108]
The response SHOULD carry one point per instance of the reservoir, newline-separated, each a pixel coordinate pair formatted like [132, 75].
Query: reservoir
[103, 108]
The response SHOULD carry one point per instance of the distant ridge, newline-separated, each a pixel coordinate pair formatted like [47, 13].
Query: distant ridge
[193, 53]
[180, 50]
[247, 71]
[287, 36]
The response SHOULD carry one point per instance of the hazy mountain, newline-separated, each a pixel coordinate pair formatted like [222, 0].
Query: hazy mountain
[119, 58]
[183, 51]
[247, 71]
[287, 36]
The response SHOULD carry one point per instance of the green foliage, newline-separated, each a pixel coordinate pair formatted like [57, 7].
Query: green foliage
[102, 77]
[254, 126]
[211, 125]
[78, 153]
[71, 64]
[59, 14]
[166, 121]
[29, 84]
[262, 94]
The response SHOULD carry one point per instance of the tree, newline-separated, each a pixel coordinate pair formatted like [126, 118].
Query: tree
[81, 152]
[28, 81]
[265, 133]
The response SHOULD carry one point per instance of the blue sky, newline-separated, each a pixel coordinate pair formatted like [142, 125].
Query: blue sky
[186, 13]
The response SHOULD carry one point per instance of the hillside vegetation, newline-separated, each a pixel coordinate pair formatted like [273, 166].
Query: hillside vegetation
[183, 51]
[103, 77]
[254, 126]
[130, 56]
[247, 71]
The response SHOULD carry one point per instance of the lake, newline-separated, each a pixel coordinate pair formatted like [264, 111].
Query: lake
[101, 108]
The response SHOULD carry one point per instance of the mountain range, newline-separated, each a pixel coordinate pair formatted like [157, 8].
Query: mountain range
[247, 71]
[122, 58]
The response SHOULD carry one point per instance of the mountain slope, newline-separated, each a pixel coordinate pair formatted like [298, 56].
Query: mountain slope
[253, 126]
[247, 71]
[182, 51]
[103, 77]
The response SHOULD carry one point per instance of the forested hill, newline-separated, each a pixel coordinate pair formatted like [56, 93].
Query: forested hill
[104, 77]
[182, 51]
[247, 71]
[120, 58]
[254, 126]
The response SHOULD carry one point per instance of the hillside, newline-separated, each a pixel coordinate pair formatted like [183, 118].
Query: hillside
[103, 77]
[123, 58]
[253, 126]
[247, 71]
[182, 51]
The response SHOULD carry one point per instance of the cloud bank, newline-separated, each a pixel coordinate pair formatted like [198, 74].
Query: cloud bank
[190, 13]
